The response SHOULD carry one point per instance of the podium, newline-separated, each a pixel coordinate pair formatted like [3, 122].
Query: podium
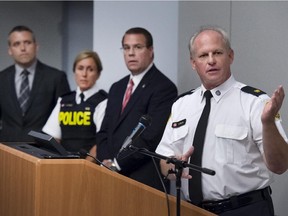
[30, 186]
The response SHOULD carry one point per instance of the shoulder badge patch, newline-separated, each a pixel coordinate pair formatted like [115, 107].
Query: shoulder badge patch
[252, 90]
[179, 123]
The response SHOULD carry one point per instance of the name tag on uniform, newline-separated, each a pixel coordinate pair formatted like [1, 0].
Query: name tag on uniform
[179, 123]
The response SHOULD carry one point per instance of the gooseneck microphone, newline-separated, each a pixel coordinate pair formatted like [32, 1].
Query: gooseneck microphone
[144, 122]
[83, 152]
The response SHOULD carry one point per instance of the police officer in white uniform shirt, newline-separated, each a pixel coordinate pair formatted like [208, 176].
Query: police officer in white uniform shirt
[245, 143]
[78, 115]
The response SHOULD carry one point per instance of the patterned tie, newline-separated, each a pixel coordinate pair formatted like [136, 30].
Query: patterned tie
[24, 92]
[195, 184]
[82, 96]
[127, 94]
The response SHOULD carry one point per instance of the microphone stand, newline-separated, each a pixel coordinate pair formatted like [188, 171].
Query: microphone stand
[179, 165]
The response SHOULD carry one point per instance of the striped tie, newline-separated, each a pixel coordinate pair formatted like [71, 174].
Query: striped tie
[24, 92]
[127, 94]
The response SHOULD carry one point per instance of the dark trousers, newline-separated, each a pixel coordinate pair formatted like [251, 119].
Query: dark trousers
[261, 208]
[254, 203]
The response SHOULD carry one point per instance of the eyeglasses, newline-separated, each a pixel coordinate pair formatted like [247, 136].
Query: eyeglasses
[135, 48]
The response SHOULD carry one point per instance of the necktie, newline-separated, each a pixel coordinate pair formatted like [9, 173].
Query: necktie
[24, 92]
[127, 94]
[195, 185]
[82, 96]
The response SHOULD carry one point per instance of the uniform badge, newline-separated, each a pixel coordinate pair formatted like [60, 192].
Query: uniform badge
[179, 123]
[218, 93]
[67, 105]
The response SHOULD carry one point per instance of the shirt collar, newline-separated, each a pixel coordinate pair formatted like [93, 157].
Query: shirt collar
[31, 69]
[222, 89]
[137, 78]
[88, 93]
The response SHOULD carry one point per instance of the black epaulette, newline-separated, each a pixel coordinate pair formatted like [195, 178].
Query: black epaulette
[68, 93]
[104, 93]
[185, 93]
[252, 90]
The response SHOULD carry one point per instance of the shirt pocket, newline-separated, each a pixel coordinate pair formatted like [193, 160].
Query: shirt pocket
[179, 134]
[230, 144]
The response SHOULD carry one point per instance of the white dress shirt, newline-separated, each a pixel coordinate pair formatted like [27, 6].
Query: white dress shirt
[233, 145]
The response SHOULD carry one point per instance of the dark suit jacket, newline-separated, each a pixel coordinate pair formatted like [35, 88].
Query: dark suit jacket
[153, 96]
[49, 83]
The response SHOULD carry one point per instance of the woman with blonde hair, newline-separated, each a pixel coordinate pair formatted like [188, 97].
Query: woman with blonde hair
[78, 115]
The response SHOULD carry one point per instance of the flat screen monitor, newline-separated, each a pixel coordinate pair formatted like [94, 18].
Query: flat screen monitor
[46, 141]
[45, 147]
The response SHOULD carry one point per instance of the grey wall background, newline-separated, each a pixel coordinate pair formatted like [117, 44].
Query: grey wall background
[258, 33]
[77, 33]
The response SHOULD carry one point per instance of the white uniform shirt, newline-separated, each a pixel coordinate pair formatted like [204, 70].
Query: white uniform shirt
[233, 144]
[52, 126]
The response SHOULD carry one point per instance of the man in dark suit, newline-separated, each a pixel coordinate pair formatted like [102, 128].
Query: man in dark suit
[152, 94]
[23, 108]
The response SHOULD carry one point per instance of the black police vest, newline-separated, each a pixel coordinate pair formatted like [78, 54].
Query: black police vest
[76, 121]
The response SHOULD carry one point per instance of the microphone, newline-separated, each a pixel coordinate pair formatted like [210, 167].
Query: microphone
[83, 152]
[144, 122]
